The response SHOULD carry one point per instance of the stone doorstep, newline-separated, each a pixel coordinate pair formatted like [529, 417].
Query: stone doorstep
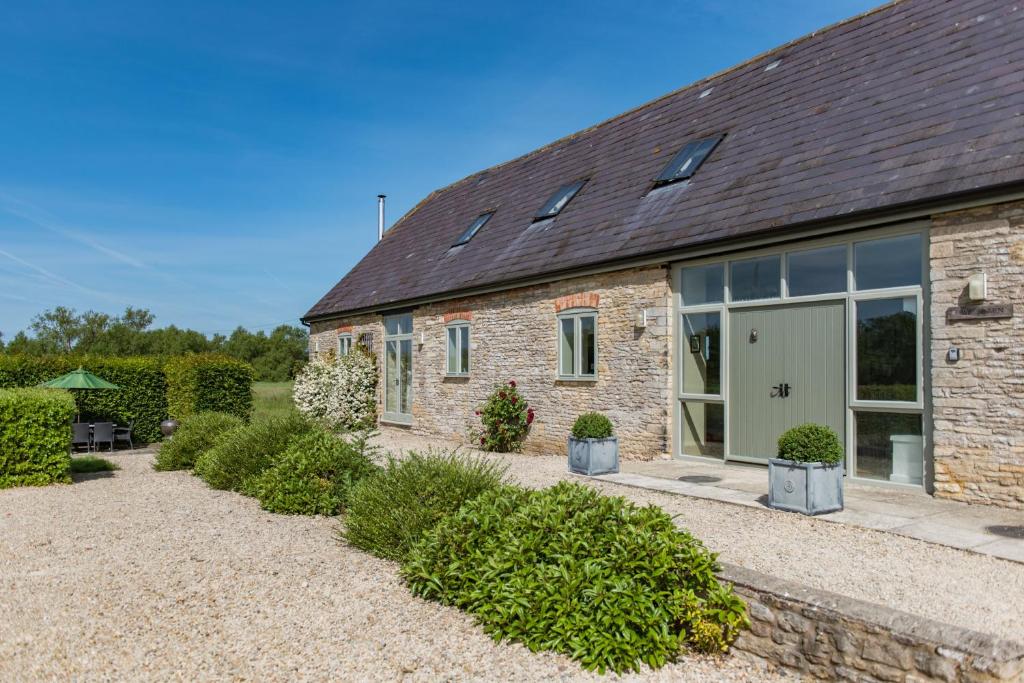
[878, 641]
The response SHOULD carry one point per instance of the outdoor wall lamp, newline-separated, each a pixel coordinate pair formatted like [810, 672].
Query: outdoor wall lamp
[977, 287]
[641, 319]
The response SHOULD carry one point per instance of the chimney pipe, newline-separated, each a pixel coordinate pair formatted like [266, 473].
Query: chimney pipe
[380, 217]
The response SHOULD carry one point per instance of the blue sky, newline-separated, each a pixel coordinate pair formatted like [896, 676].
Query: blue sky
[218, 163]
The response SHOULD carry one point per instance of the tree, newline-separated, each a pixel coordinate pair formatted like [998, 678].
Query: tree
[58, 329]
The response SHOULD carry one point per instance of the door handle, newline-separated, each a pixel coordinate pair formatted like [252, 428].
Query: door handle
[780, 390]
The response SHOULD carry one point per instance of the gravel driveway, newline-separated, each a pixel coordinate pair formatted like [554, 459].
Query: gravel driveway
[142, 575]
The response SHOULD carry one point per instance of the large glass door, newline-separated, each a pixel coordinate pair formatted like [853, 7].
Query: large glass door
[398, 368]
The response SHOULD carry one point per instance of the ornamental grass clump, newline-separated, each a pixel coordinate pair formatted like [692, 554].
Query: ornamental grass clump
[600, 579]
[389, 512]
[592, 426]
[246, 451]
[811, 443]
[196, 434]
[314, 475]
[506, 418]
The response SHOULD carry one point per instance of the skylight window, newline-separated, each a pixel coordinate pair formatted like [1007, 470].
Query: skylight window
[688, 160]
[474, 228]
[558, 200]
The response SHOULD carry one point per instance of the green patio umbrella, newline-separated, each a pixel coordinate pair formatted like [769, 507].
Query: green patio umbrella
[79, 379]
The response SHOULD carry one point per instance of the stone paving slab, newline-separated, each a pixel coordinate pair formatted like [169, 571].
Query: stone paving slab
[981, 529]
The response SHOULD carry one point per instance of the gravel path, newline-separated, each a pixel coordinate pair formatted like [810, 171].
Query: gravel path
[953, 586]
[153, 576]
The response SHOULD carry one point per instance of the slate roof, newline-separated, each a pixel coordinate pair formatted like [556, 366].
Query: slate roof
[912, 101]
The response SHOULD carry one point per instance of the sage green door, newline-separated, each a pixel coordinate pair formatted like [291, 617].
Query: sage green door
[786, 368]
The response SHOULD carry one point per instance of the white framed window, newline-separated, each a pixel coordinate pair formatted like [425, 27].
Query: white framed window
[398, 360]
[577, 345]
[457, 344]
[344, 344]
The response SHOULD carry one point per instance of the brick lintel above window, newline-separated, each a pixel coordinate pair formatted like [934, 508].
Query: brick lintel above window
[579, 300]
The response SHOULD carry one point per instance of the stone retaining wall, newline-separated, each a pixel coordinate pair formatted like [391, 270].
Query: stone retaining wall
[833, 637]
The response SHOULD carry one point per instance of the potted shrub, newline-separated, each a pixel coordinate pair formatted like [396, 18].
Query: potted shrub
[592, 448]
[807, 476]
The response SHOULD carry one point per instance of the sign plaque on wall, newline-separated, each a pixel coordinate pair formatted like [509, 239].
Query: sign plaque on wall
[980, 312]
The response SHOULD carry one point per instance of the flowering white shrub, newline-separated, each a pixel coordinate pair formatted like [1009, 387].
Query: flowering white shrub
[339, 391]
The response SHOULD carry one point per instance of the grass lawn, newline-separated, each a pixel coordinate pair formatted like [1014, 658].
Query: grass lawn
[272, 398]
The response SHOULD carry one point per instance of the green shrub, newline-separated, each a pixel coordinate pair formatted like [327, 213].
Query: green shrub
[35, 436]
[592, 426]
[810, 443]
[567, 569]
[314, 475]
[197, 434]
[90, 463]
[389, 512]
[141, 396]
[246, 451]
[506, 419]
[208, 382]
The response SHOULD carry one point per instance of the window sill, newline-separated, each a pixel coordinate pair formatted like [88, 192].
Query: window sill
[450, 375]
[578, 380]
[396, 420]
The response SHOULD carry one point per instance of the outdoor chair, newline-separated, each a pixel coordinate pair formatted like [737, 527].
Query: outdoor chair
[103, 432]
[125, 434]
[80, 435]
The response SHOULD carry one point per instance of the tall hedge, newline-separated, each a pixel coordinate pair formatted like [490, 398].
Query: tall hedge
[35, 436]
[208, 382]
[141, 396]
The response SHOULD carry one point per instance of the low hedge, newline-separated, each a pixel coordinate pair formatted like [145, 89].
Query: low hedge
[388, 513]
[142, 393]
[315, 475]
[567, 569]
[246, 451]
[35, 436]
[208, 382]
[197, 434]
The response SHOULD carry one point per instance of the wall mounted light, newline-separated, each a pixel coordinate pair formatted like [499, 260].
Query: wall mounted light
[977, 287]
[641, 319]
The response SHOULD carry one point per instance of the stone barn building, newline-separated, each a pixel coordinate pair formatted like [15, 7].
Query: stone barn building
[830, 232]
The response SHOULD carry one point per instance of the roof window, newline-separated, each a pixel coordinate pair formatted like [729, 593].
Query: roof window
[474, 228]
[558, 200]
[688, 160]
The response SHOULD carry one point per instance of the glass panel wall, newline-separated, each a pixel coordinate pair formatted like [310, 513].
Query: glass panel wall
[880, 279]
[891, 262]
[703, 429]
[756, 278]
[887, 356]
[704, 284]
[817, 271]
[890, 447]
[701, 357]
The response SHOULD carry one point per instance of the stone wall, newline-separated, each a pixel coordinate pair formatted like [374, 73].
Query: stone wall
[978, 401]
[833, 637]
[513, 336]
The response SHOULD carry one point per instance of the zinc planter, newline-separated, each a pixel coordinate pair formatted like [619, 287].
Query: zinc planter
[811, 488]
[594, 456]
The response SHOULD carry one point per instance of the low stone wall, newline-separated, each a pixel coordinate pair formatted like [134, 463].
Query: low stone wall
[833, 637]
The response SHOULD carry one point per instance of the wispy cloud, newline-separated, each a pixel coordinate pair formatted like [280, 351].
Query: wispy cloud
[41, 219]
[58, 280]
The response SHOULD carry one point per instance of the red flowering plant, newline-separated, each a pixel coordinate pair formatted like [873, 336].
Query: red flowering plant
[506, 418]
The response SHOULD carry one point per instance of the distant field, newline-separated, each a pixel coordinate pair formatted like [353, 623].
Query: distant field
[272, 398]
